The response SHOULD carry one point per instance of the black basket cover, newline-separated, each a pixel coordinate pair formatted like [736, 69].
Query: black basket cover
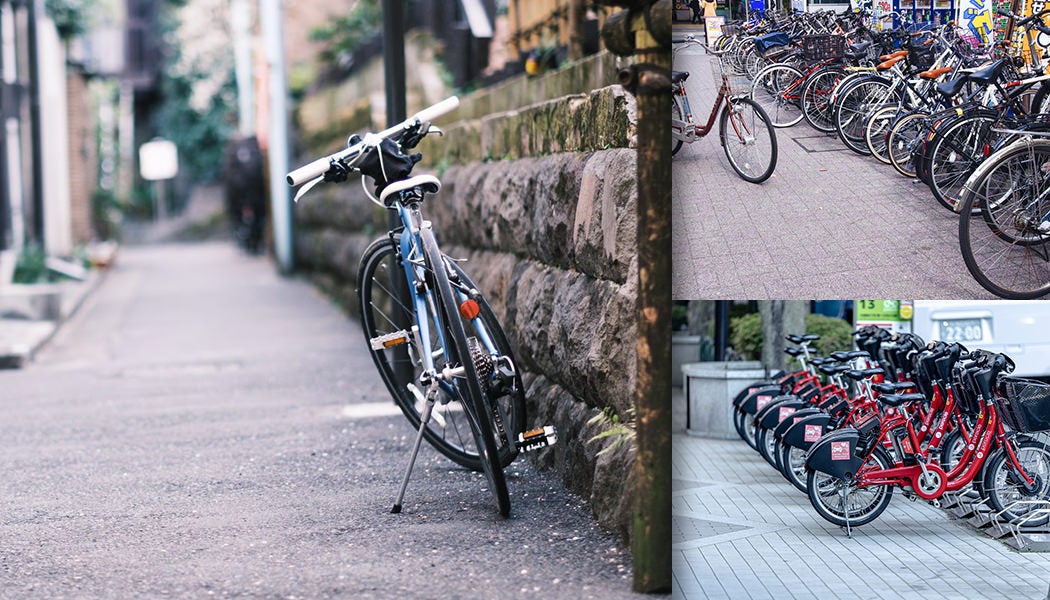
[389, 164]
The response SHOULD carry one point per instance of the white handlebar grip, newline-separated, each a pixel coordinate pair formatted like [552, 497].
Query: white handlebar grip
[309, 171]
[445, 106]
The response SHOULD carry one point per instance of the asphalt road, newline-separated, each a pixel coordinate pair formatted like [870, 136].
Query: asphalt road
[203, 427]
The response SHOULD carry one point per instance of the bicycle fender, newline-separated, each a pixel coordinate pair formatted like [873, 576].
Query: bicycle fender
[806, 431]
[798, 415]
[749, 390]
[835, 454]
[772, 407]
[772, 417]
[759, 399]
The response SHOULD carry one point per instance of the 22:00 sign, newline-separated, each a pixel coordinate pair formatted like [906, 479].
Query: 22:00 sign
[961, 331]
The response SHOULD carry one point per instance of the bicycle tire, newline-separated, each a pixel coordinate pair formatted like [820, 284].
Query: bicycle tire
[954, 155]
[823, 489]
[905, 133]
[1001, 215]
[1005, 491]
[745, 147]
[876, 132]
[793, 466]
[459, 353]
[816, 97]
[382, 312]
[853, 107]
[778, 90]
[676, 115]
[739, 417]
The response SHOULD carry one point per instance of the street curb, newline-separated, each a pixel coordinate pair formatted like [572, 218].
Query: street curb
[77, 295]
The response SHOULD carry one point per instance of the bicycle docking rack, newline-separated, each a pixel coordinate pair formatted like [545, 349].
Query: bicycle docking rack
[969, 507]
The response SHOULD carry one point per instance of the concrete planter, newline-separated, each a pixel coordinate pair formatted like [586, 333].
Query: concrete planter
[685, 349]
[709, 391]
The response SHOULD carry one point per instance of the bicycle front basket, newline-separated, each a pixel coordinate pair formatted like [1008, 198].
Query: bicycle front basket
[1024, 404]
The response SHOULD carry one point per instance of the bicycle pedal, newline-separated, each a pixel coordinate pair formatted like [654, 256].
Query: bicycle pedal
[390, 340]
[537, 438]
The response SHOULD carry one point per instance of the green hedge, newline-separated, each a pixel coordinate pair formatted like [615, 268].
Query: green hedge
[745, 334]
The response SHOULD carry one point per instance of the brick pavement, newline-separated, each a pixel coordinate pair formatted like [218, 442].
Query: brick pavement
[828, 223]
[741, 531]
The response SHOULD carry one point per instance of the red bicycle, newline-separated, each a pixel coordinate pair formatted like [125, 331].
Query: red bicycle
[744, 129]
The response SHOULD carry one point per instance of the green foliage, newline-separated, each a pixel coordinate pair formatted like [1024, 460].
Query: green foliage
[745, 334]
[70, 16]
[679, 317]
[200, 135]
[343, 35]
[31, 266]
[834, 333]
[612, 427]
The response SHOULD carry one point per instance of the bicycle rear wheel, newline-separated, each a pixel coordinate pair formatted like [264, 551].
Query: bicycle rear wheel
[386, 307]
[833, 498]
[462, 352]
[1004, 226]
[955, 154]
[676, 115]
[748, 138]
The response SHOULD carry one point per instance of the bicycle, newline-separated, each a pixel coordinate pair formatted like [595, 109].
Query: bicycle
[435, 341]
[744, 129]
[1004, 225]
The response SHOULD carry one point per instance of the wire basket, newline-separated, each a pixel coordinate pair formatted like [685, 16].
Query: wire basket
[823, 47]
[1024, 404]
[736, 75]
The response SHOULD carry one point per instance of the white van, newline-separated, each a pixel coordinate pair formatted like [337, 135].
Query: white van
[1017, 328]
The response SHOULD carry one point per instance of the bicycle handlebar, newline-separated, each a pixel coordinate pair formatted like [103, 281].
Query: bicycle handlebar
[321, 166]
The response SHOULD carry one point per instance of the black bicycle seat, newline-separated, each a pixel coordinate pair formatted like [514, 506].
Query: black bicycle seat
[679, 76]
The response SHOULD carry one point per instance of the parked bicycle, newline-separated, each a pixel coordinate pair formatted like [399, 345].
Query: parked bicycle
[744, 129]
[436, 342]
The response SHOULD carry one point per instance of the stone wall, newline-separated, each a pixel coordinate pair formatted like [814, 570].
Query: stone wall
[540, 200]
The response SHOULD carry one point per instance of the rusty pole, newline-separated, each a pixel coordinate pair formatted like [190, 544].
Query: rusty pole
[644, 31]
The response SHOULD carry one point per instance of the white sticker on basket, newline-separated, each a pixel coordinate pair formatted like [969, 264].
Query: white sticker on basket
[839, 450]
[813, 433]
[762, 401]
[785, 412]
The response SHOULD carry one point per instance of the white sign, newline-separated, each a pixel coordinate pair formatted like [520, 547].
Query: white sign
[158, 159]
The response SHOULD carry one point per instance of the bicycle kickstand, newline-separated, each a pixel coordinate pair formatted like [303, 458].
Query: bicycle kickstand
[424, 419]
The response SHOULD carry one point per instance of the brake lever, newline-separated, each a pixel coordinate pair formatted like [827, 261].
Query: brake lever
[309, 185]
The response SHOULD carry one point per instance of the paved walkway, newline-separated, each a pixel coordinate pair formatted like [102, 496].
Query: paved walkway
[203, 427]
[741, 531]
[828, 223]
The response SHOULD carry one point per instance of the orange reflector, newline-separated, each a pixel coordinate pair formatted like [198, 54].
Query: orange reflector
[469, 309]
[395, 342]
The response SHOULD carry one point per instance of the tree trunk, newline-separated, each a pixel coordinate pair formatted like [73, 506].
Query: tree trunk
[652, 520]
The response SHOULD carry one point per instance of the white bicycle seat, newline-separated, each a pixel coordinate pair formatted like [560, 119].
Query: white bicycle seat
[428, 183]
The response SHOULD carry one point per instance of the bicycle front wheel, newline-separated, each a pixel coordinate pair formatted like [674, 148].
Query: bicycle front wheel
[905, 134]
[778, 90]
[386, 307]
[748, 139]
[466, 355]
[1008, 494]
[1004, 225]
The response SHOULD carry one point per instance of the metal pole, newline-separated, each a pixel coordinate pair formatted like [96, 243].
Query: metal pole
[271, 13]
[394, 60]
[35, 127]
[721, 329]
[242, 48]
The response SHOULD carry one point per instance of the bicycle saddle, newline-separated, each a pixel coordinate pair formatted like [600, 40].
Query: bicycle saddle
[428, 184]
[679, 76]
[896, 400]
[988, 73]
[952, 86]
